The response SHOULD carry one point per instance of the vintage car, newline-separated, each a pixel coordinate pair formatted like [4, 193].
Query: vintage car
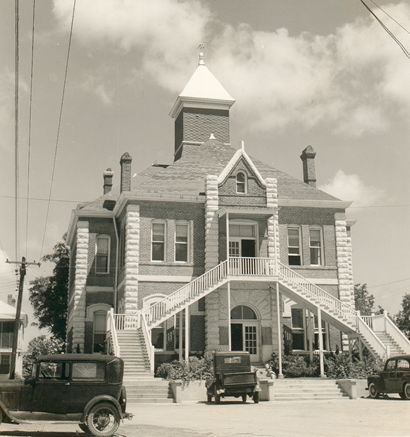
[395, 378]
[233, 376]
[82, 388]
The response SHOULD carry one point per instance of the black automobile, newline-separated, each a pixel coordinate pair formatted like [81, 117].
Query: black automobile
[233, 376]
[395, 378]
[82, 388]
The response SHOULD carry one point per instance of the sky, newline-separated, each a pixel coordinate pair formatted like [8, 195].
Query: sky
[317, 72]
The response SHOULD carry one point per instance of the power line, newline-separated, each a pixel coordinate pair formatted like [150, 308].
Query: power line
[43, 199]
[392, 18]
[58, 127]
[389, 283]
[389, 32]
[16, 118]
[29, 125]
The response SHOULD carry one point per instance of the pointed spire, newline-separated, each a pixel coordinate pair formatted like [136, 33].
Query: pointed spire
[203, 90]
[201, 57]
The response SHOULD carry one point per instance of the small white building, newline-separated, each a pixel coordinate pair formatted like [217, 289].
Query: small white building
[7, 317]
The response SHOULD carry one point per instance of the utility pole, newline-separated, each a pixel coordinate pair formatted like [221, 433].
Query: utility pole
[22, 272]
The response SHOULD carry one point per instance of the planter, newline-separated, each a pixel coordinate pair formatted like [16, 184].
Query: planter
[354, 388]
[193, 391]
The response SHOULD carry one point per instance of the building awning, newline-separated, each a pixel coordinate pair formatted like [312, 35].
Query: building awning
[250, 211]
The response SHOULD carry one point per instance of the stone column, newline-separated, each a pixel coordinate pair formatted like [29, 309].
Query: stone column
[132, 241]
[80, 279]
[211, 260]
[344, 265]
[273, 221]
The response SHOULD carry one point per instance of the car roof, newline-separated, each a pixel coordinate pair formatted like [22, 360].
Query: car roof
[77, 357]
[401, 357]
[230, 354]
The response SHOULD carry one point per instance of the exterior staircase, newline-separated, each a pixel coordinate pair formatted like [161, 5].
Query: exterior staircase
[136, 346]
[341, 315]
[301, 389]
[392, 345]
[141, 386]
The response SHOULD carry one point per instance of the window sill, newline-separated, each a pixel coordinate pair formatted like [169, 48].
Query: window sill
[304, 267]
[168, 264]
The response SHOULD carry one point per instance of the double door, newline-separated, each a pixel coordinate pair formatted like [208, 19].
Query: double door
[244, 337]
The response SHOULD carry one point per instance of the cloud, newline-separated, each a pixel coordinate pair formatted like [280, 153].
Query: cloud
[355, 78]
[352, 188]
[96, 86]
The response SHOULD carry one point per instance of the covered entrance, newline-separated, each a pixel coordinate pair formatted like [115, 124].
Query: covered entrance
[245, 331]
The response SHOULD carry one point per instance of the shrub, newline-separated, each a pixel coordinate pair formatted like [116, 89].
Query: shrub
[295, 366]
[195, 369]
[336, 366]
[341, 367]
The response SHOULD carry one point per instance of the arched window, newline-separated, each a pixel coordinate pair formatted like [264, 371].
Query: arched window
[241, 183]
[242, 312]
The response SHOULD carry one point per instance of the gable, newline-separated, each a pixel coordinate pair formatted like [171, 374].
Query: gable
[255, 192]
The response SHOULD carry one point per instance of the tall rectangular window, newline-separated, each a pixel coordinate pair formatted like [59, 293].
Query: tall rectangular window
[294, 257]
[102, 256]
[181, 242]
[315, 247]
[158, 242]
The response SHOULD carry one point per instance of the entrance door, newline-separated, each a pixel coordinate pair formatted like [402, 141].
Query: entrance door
[244, 331]
[248, 248]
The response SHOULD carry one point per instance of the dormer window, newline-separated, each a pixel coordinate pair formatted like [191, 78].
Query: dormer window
[241, 183]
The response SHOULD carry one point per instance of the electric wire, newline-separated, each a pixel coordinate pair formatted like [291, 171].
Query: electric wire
[29, 126]
[16, 120]
[389, 32]
[58, 128]
[392, 18]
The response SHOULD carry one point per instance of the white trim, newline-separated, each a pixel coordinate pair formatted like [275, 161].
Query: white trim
[96, 307]
[107, 237]
[97, 288]
[324, 281]
[159, 222]
[198, 102]
[186, 223]
[322, 250]
[313, 203]
[245, 182]
[298, 228]
[165, 278]
[245, 222]
[234, 160]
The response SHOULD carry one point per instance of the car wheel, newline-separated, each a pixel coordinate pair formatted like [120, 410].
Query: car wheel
[402, 395]
[373, 393]
[103, 420]
[256, 397]
[406, 391]
[209, 398]
[1, 416]
[84, 428]
[243, 398]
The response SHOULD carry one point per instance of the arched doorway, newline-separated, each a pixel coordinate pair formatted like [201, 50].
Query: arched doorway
[245, 331]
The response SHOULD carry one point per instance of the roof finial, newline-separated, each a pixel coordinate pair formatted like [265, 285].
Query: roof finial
[243, 145]
[201, 59]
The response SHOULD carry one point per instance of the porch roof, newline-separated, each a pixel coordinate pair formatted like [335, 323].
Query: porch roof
[253, 211]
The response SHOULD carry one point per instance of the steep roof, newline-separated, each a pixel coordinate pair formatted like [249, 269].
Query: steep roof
[203, 88]
[8, 312]
[187, 175]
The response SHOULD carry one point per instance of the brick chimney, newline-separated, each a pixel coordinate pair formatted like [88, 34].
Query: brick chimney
[309, 172]
[125, 163]
[107, 175]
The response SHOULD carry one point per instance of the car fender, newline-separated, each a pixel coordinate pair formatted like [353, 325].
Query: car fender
[377, 380]
[102, 398]
[7, 413]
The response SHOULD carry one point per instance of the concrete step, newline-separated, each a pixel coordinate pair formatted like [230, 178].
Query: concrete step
[306, 398]
[150, 401]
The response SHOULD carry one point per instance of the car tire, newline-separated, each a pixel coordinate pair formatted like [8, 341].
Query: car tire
[406, 391]
[84, 428]
[373, 393]
[256, 397]
[402, 395]
[103, 420]
[209, 398]
[244, 398]
[217, 396]
[1, 416]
